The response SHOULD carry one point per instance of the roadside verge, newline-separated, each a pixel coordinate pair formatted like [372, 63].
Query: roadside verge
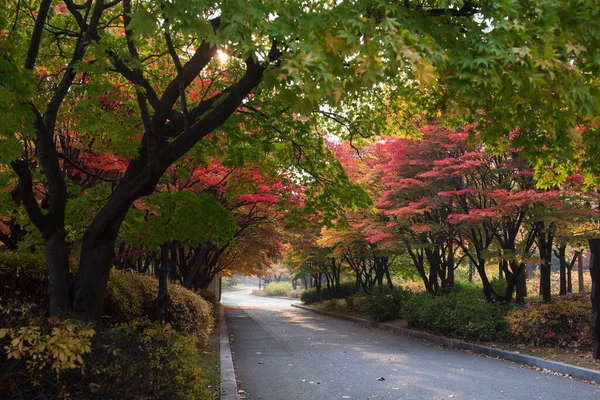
[536, 362]
[229, 389]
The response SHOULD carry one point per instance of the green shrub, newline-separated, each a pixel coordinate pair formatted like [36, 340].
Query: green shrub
[464, 313]
[129, 357]
[137, 359]
[209, 296]
[130, 295]
[309, 296]
[226, 282]
[566, 319]
[23, 289]
[346, 289]
[499, 286]
[384, 304]
[143, 359]
[278, 289]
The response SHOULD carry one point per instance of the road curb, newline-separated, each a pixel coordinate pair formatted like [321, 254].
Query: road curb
[553, 366]
[229, 389]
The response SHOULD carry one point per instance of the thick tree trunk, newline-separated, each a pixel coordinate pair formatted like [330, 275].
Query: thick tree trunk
[59, 275]
[595, 295]
[488, 290]
[90, 284]
[521, 284]
[94, 267]
[199, 261]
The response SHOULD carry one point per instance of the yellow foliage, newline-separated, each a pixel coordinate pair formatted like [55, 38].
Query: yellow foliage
[566, 319]
[63, 348]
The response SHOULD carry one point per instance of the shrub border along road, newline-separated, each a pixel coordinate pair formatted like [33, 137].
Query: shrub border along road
[229, 389]
[553, 366]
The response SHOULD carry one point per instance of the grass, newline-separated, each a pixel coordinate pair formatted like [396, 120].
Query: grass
[569, 356]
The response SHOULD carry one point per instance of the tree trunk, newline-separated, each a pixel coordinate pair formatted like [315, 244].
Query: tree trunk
[389, 278]
[510, 288]
[94, 266]
[317, 282]
[580, 272]
[163, 275]
[471, 271]
[357, 281]
[562, 255]
[450, 267]
[541, 279]
[59, 275]
[595, 295]
[546, 273]
[545, 283]
[488, 290]
[521, 284]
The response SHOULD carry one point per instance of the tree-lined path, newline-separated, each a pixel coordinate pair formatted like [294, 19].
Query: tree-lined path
[286, 353]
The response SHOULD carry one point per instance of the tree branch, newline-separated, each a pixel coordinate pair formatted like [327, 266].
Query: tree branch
[28, 199]
[36, 35]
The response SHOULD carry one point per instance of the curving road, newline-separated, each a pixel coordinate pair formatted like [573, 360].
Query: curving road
[284, 353]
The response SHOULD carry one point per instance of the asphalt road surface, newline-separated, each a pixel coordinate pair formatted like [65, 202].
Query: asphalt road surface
[282, 353]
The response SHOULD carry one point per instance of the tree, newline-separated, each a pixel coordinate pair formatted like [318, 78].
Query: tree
[61, 56]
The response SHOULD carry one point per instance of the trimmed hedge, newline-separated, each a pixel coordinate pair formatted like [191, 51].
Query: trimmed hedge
[278, 289]
[565, 320]
[464, 313]
[346, 289]
[384, 304]
[130, 295]
[126, 356]
[209, 296]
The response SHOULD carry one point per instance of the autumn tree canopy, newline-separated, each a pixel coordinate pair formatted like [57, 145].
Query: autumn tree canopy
[263, 82]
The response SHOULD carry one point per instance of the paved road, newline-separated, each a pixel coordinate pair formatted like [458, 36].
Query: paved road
[285, 353]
